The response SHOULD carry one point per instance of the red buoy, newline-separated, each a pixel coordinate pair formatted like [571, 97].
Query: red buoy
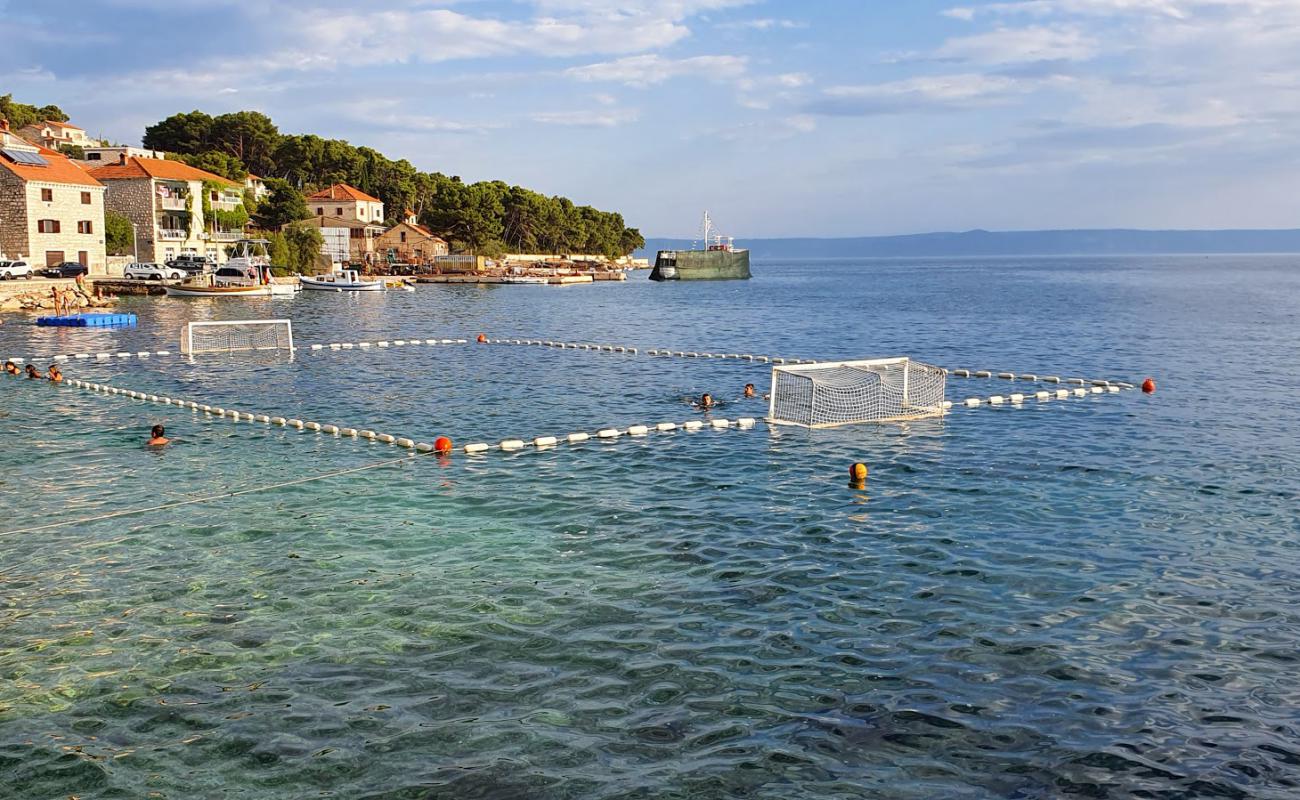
[481, 338]
[442, 445]
[1149, 386]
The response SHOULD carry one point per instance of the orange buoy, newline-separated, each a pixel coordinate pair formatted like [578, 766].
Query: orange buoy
[442, 445]
[481, 338]
[1149, 386]
[858, 472]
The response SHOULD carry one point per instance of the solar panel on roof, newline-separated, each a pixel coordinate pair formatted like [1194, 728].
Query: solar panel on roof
[24, 157]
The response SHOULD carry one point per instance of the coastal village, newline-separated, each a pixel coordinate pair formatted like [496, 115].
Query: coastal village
[60, 188]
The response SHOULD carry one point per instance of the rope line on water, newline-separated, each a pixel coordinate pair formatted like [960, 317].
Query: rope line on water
[207, 498]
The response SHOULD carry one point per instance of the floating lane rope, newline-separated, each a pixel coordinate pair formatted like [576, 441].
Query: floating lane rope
[750, 358]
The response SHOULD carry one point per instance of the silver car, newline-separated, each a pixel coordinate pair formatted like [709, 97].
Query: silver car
[153, 272]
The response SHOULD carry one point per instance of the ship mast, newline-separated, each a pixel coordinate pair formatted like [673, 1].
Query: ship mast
[708, 226]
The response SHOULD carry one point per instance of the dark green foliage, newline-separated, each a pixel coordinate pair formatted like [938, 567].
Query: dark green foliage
[296, 249]
[72, 150]
[21, 115]
[118, 236]
[487, 217]
[283, 204]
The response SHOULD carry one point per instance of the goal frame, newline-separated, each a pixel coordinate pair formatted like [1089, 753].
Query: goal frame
[187, 333]
[797, 369]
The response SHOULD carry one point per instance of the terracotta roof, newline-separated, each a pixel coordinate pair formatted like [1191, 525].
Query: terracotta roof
[61, 124]
[341, 191]
[136, 167]
[59, 170]
[335, 222]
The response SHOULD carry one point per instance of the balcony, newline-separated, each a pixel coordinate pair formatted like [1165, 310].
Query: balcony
[171, 235]
[226, 236]
[173, 204]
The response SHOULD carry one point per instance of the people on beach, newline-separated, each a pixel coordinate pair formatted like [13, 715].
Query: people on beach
[56, 374]
[157, 437]
[11, 368]
[33, 374]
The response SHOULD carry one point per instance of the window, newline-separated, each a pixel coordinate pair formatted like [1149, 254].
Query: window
[85, 198]
[213, 197]
[47, 226]
[93, 156]
[338, 212]
[403, 235]
[85, 226]
[47, 195]
[320, 212]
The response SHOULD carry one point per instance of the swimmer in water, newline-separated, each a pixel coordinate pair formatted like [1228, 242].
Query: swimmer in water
[156, 437]
[11, 368]
[749, 390]
[32, 373]
[706, 401]
[56, 374]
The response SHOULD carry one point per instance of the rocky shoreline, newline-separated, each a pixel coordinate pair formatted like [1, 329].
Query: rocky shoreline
[40, 298]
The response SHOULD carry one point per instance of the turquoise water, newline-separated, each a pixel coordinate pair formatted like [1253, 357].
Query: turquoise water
[1092, 597]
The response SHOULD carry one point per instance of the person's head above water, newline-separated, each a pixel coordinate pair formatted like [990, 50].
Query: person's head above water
[11, 368]
[749, 390]
[706, 400]
[157, 435]
[31, 371]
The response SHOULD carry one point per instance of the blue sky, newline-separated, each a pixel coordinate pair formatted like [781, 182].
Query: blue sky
[782, 118]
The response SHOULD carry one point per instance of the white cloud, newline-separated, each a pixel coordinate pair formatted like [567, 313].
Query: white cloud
[768, 24]
[1014, 45]
[602, 118]
[925, 93]
[650, 69]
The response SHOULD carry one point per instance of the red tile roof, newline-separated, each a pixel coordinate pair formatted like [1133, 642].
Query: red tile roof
[57, 124]
[162, 169]
[341, 191]
[60, 169]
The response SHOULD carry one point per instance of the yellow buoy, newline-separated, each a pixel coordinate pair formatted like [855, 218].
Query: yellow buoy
[858, 472]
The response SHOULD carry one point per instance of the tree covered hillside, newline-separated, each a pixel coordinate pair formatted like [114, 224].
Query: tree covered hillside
[488, 217]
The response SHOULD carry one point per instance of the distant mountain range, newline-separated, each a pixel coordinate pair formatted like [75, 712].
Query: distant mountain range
[1015, 243]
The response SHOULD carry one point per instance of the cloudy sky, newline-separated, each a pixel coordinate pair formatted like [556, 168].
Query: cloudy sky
[817, 117]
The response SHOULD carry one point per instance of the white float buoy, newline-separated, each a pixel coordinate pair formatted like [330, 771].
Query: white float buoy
[545, 441]
[278, 420]
[1051, 379]
[348, 432]
[666, 426]
[512, 444]
[995, 400]
[608, 433]
[1097, 390]
[386, 438]
[961, 373]
[1017, 398]
[947, 404]
[262, 418]
[637, 430]
[1062, 394]
[330, 429]
[574, 438]
[971, 402]
[366, 434]
[407, 443]
[693, 425]
[983, 373]
[1042, 395]
[423, 447]
[318, 347]
[311, 426]
[476, 448]
[294, 423]
[1080, 392]
[746, 422]
[1112, 389]
[722, 423]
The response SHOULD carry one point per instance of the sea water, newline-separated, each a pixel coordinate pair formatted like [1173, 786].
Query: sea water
[1092, 597]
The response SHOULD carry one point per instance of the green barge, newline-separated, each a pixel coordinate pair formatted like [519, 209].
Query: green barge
[719, 261]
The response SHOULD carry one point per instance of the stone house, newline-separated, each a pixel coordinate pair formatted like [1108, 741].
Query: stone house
[360, 237]
[176, 209]
[97, 155]
[410, 243]
[346, 202]
[255, 185]
[51, 134]
[51, 210]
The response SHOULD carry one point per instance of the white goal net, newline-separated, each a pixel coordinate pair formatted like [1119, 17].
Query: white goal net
[237, 334]
[833, 393]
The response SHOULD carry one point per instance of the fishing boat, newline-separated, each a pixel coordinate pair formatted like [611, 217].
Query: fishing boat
[718, 261]
[341, 280]
[246, 274]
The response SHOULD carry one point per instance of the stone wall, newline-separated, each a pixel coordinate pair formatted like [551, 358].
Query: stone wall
[13, 215]
[133, 199]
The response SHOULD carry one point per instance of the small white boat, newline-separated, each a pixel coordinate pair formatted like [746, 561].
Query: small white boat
[534, 280]
[343, 280]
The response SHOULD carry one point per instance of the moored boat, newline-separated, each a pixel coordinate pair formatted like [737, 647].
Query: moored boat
[344, 280]
[246, 274]
[719, 260]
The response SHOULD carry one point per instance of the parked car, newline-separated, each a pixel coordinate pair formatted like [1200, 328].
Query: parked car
[193, 264]
[10, 270]
[153, 272]
[68, 269]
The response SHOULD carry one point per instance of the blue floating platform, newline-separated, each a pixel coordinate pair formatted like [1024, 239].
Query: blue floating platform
[88, 321]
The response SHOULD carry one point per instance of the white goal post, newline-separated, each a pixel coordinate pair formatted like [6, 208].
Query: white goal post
[232, 335]
[830, 393]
